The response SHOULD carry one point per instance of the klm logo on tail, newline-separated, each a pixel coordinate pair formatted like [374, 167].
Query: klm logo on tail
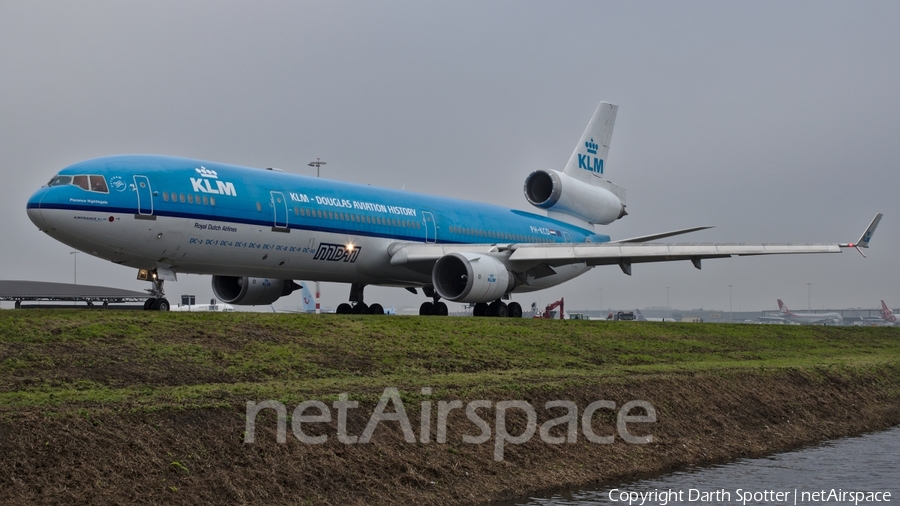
[588, 162]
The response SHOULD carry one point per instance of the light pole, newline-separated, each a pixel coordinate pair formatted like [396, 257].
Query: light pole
[808, 299]
[730, 315]
[668, 307]
[75, 264]
[317, 164]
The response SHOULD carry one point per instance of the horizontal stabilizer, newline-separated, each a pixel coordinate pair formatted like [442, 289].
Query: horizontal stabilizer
[662, 235]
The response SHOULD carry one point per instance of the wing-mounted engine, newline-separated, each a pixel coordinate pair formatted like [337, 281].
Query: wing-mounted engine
[471, 277]
[244, 291]
[600, 203]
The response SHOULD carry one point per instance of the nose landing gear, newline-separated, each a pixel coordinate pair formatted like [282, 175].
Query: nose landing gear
[157, 300]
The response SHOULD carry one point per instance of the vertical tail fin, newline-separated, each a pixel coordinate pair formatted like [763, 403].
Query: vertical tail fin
[589, 158]
[886, 313]
[784, 309]
[309, 302]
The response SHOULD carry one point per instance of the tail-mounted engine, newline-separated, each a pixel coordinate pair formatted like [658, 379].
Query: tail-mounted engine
[601, 203]
[251, 291]
[471, 277]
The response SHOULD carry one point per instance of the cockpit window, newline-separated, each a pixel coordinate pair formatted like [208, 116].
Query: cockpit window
[81, 182]
[90, 183]
[61, 181]
[98, 184]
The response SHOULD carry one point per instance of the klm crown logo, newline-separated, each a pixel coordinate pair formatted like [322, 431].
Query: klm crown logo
[203, 171]
[588, 162]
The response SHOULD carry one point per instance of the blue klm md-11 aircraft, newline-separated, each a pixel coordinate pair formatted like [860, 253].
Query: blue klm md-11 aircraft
[257, 230]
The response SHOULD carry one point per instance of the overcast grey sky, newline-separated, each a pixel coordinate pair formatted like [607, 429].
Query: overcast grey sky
[773, 121]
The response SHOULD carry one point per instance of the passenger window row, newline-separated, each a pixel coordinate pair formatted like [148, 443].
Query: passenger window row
[351, 217]
[502, 236]
[190, 198]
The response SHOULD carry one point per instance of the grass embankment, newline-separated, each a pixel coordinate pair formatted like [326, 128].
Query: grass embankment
[115, 407]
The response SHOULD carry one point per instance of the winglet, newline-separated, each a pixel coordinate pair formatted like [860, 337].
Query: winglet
[864, 239]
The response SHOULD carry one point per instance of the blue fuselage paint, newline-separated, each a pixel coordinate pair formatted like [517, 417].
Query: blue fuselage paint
[204, 217]
[251, 196]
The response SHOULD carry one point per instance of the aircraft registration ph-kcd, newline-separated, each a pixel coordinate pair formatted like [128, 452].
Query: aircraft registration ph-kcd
[257, 230]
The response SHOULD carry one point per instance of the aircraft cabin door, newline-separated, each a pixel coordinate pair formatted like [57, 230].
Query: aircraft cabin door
[430, 228]
[144, 195]
[279, 207]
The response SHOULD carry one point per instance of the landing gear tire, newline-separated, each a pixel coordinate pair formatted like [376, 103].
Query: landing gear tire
[160, 305]
[426, 309]
[360, 308]
[514, 309]
[499, 308]
[480, 309]
[148, 304]
[440, 309]
[376, 309]
[344, 308]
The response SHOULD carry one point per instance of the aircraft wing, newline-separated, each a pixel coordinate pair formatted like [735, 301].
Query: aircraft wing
[524, 257]
[540, 258]
[628, 253]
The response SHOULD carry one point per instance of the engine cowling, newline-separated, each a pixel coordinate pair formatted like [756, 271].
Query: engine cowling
[244, 291]
[557, 192]
[471, 277]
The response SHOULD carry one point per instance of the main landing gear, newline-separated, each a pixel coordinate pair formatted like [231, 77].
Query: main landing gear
[157, 300]
[498, 308]
[356, 304]
[435, 307]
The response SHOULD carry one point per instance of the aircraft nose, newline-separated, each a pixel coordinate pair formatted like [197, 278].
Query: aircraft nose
[33, 208]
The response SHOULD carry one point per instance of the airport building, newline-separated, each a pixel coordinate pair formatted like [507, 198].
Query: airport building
[35, 294]
[724, 316]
